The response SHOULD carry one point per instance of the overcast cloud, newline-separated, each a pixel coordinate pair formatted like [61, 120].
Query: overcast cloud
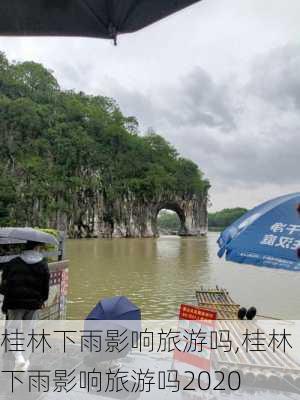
[219, 80]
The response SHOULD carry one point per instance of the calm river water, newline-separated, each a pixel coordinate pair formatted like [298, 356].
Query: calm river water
[159, 274]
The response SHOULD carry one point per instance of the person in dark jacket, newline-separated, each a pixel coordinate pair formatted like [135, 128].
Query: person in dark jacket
[25, 283]
[25, 287]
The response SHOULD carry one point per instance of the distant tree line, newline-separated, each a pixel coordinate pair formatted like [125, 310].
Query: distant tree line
[224, 218]
[58, 147]
[220, 219]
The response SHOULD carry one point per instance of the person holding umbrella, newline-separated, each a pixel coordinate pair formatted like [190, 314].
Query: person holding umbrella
[25, 285]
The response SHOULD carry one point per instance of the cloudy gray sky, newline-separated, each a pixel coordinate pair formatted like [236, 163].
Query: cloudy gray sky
[219, 80]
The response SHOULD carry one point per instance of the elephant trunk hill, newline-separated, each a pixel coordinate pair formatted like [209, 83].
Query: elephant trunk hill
[74, 162]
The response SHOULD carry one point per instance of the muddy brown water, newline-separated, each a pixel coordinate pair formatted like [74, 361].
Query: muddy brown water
[159, 274]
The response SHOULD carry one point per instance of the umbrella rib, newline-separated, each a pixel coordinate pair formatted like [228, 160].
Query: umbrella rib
[92, 11]
[112, 28]
[130, 10]
[127, 312]
[119, 299]
[108, 6]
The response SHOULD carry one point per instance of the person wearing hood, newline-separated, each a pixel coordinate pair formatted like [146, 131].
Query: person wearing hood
[25, 287]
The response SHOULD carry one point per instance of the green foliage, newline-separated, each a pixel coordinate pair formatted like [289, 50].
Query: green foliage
[50, 247]
[7, 197]
[168, 221]
[57, 146]
[224, 218]
[53, 232]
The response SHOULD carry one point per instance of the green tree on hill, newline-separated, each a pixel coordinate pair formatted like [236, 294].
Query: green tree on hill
[168, 221]
[226, 217]
[58, 148]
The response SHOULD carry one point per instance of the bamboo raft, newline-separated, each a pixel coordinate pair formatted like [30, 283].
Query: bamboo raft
[261, 369]
[267, 369]
[218, 300]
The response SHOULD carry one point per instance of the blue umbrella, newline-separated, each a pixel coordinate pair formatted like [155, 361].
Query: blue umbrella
[118, 313]
[118, 308]
[115, 308]
[268, 235]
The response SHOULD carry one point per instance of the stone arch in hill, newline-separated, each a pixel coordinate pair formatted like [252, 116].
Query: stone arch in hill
[135, 217]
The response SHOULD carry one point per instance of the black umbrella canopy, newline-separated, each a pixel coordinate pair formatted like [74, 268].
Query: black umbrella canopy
[92, 18]
[23, 235]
